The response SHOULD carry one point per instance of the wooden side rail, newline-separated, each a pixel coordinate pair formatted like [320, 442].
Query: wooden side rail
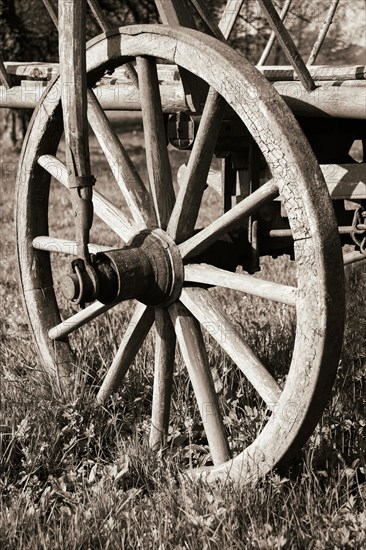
[342, 101]
[275, 73]
[344, 181]
[340, 91]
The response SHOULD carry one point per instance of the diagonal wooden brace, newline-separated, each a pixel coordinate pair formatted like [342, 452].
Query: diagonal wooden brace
[287, 44]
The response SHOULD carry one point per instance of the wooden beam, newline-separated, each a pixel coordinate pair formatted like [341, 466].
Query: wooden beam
[72, 52]
[347, 100]
[169, 73]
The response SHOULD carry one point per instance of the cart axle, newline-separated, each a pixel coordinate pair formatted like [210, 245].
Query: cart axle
[149, 269]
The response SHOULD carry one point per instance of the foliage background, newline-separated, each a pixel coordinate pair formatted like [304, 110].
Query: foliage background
[27, 32]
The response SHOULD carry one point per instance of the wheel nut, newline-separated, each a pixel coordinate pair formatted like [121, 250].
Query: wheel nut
[70, 286]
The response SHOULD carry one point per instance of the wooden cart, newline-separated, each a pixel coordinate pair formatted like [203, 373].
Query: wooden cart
[284, 161]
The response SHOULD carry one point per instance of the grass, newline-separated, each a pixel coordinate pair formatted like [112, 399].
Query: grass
[77, 476]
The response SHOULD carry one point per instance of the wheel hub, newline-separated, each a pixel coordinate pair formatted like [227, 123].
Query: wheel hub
[149, 269]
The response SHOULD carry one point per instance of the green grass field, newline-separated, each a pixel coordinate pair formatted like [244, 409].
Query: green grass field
[73, 475]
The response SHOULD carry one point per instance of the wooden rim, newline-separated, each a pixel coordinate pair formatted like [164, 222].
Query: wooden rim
[296, 175]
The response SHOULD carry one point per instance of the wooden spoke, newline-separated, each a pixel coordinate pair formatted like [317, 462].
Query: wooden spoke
[199, 242]
[55, 167]
[194, 354]
[63, 246]
[103, 208]
[157, 158]
[189, 198]
[163, 378]
[78, 320]
[210, 275]
[218, 324]
[113, 217]
[127, 177]
[135, 334]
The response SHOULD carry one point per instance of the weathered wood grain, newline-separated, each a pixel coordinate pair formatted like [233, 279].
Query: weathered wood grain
[165, 341]
[115, 218]
[194, 354]
[212, 317]
[123, 169]
[210, 275]
[158, 165]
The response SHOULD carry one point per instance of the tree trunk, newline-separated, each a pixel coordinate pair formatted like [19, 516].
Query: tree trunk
[13, 124]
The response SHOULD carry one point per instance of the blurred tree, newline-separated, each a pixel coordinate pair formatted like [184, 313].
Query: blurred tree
[27, 34]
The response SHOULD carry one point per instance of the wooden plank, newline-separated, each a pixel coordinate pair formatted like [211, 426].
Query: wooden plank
[64, 246]
[105, 26]
[33, 69]
[267, 50]
[179, 13]
[4, 76]
[51, 7]
[344, 101]
[229, 16]
[175, 12]
[345, 181]
[323, 32]
[206, 15]
[328, 100]
[317, 72]
[99, 15]
[353, 257]
[81, 318]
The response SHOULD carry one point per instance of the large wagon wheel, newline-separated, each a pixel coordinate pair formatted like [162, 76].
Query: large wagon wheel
[161, 267]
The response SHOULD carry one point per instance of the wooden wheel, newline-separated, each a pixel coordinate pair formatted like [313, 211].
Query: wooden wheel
[162, 267]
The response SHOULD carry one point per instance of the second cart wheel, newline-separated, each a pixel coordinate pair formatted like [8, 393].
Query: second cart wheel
[164, 265]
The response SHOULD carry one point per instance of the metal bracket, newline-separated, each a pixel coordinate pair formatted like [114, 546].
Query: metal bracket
[78, 182]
